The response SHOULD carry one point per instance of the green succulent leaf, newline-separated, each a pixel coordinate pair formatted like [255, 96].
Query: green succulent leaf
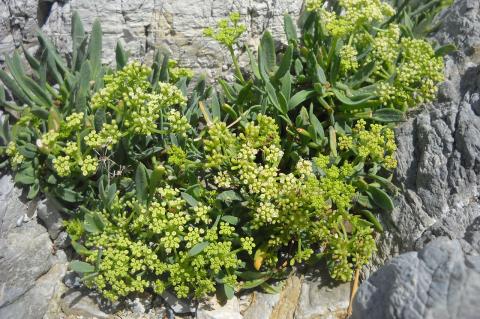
[13, 86]
[54, 120]
[32, 61]
[380, 198]
[33, 190]
[81, 267]
[80, 249]
[141, 183]
[268, 54]
[372, 219]
[445, 50]
[387, 115]
[95, 48]
[233, 220]
[271, 289]
[332, 140]
[290, 29]
[285, 64]
[121, 57]
[93, 223]
[363, 74]
[253, 283]
[25, 176]
[229, 196]
[299, 98]
[198, 248]
[229, 291]
[189, 199]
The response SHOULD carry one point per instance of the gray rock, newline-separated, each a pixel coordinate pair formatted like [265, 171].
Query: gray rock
[439, 148]
[143, 26]
[178, 305]
[25, 251]
[51, 217]
[261, 306]
[81, 302]
[30, 272]
[310, 296]
[213, 310]
[321, 298]
[440, 281]
[18, 23]
[34, 303]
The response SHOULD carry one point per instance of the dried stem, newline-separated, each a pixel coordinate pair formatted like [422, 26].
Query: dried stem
[354, 291]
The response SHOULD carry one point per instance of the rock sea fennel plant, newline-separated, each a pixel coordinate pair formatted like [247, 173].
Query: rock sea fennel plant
[169, 184]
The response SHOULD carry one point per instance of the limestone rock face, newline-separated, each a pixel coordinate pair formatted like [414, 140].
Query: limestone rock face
[18, 22]
[173, 26]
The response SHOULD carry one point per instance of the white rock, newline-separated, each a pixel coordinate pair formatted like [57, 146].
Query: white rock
[213, 310]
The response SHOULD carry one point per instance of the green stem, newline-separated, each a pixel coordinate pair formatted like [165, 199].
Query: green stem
[238, 73]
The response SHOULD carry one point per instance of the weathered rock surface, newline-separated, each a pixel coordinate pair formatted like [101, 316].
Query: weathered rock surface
[143, 25]
[438, 210]
[441, 281]
[29, 271]
[310, 296]
[439, 148]
[51, 218]
[18, 23]
[211, 310]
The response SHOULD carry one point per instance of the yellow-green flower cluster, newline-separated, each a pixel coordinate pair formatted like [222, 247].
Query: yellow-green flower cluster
[313, 5]
[220, 138]
[129, 91]
[417, 74]
[176, 156]
[108, 136]
[201, 213]
[406, 69]
[292, 205]
[350, 247]
[348, 56]
[71, 149]
[223, 180]
[354, 14]
[144, 108]
[16, 158]
[375, 144]
[136, 239]
[47, 143]
[88, 165]
[74, 120]
[143, 111]
[170, 95]
[421, 69]
[178, 124]
[176, 73]
[118, 85]
[228, 32]
[248, 244]
[385, 46]
[63, 165]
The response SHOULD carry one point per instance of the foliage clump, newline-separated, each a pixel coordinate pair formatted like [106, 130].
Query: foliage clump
[223, 190]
